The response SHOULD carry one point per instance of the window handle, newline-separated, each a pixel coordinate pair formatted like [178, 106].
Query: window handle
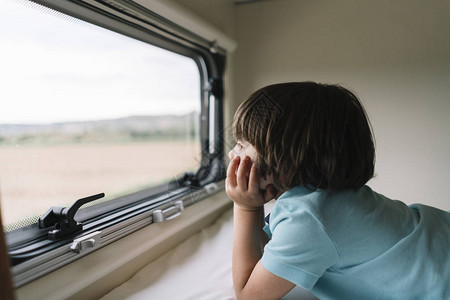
[86, 243]
[168, 213]
[63, 218]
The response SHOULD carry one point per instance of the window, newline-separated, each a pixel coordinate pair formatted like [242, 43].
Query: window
[115, 100]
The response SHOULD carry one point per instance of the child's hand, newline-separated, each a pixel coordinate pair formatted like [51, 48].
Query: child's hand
[242, 185]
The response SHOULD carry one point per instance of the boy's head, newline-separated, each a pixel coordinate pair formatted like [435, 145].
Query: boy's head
[308, 134]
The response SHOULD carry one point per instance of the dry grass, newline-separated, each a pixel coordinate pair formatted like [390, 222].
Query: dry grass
[35, 178]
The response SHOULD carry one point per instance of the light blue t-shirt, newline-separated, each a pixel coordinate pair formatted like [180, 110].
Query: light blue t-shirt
[359, 245]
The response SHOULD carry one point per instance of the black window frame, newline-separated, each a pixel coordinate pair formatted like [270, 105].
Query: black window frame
[131, 19]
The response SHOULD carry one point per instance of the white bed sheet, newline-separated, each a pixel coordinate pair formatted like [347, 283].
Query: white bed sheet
[197, 269]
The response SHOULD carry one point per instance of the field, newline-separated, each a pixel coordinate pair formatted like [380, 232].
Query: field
[34, 178]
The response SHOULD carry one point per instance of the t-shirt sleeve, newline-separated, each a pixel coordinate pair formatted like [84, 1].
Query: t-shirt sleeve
[300, 250]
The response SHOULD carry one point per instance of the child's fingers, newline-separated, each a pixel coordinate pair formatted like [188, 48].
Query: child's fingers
[231, 155]
[253, 180]
[243, 172]
[231, 172]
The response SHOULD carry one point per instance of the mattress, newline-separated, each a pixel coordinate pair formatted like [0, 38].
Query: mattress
[199, 268]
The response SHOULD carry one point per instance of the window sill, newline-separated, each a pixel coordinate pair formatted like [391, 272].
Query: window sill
[101, 271]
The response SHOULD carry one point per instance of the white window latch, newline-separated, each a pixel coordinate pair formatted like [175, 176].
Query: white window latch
[87, 242]
[173, 211]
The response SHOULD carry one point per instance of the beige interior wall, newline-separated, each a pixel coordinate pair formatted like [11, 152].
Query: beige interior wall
[218, 13]
[394, 54]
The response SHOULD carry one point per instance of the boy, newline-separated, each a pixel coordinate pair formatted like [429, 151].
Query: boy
[310, 146]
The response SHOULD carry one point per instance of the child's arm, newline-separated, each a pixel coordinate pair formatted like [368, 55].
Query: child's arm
[251, 280]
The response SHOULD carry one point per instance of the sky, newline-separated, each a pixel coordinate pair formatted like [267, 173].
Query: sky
[58, 69]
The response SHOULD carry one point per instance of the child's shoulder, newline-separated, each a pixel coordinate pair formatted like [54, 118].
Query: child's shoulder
[329, 204]
[301, 195]
[301, 200]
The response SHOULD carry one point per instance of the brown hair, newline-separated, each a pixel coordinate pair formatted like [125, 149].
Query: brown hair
[308, 134]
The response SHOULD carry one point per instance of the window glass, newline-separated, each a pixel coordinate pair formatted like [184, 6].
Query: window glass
[86, 110]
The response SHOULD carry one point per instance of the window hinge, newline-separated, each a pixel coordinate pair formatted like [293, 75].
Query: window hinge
[215, 87]
[87, 242]
[173, 211]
